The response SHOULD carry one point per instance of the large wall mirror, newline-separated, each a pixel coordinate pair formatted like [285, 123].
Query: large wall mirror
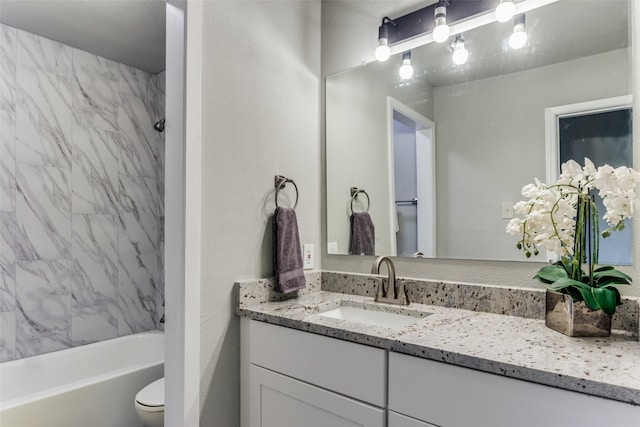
[444, 154]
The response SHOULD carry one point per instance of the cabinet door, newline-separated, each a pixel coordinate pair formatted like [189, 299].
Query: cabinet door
[280, 401]
[397, 420]
[451, 396]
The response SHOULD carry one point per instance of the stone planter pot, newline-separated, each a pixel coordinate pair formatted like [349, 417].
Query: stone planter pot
[574, 318]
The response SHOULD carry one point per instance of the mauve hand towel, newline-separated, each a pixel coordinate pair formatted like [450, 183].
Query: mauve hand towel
[287, 256]
[362, 234]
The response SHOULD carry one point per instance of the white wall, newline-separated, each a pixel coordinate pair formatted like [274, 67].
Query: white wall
[348, 38]
[357, 126]
[182, 221]
[494, 128]
[260, 117]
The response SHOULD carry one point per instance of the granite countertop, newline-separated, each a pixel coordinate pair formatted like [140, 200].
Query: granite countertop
[513, 346]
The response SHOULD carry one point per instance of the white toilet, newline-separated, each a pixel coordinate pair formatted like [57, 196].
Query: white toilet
[150, 404]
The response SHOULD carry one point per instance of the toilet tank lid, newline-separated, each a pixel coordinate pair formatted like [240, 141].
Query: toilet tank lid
[152, 394]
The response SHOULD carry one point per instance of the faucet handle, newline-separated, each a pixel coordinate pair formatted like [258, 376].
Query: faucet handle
[402, 291]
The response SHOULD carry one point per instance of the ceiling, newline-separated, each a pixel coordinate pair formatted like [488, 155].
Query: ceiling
[131, 32]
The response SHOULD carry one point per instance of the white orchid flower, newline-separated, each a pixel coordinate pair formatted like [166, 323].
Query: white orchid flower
[548, 217]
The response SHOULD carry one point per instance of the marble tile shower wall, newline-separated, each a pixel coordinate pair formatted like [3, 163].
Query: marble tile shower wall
[81, 197]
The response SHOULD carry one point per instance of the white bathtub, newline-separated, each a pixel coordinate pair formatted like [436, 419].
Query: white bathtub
[88, 386]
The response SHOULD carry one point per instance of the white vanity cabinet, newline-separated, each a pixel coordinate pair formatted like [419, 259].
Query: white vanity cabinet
[291, 378]
[451, 396]
[399, 420]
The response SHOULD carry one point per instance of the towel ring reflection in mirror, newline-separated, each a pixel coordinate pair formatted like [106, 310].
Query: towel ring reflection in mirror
[354, 195]
[281, 182]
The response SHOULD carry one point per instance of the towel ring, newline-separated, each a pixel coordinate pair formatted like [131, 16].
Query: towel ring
[281, 182]
[354, 195]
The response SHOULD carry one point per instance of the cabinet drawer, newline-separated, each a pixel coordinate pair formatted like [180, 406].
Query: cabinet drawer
[452, 396]
[351, 369]
[280, 401]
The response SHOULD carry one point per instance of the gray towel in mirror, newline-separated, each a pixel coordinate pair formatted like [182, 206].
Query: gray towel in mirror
[287, 256]
[362, 234]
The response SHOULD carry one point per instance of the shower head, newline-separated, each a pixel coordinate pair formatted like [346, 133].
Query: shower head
[159, 125]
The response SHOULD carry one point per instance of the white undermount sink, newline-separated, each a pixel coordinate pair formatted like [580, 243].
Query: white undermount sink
[372, 315]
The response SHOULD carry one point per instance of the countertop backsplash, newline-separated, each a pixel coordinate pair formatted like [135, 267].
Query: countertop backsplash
[519, 302]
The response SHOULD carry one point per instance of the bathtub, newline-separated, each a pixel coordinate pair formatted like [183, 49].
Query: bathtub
[92, 385]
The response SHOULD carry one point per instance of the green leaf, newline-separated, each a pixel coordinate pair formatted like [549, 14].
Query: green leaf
[551, 274]
[615, 291]
[605, 298]
[574, 293]
[584, 289]
[611, 281]
[564, 283]
[602, 277]
[564, 263]
[589, 299]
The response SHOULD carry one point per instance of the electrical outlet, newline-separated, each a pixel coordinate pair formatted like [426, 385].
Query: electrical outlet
[307, 256]
[507, 210]
[332, 248]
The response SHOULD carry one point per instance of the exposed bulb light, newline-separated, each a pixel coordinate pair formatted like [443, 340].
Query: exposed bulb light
[505, 10]
[519, 37]
[383, 52]
[442, 31]
[406, 70]
[460, 53]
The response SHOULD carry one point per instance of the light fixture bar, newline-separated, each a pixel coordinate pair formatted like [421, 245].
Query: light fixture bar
[406, 34]
[421, 21]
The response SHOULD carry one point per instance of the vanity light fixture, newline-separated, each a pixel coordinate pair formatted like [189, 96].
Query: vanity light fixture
[505, 10]
[383, 52]
[442, 31]
[439, 20]
[406, 70]
[519, 37]
[430, 24]
[460, 53]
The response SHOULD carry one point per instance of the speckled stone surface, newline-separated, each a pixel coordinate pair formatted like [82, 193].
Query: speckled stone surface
[520, 302]
[519, 346]
[257, 291]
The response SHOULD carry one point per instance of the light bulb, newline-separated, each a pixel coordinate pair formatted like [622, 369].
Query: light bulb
[519, 37]
[406, 70]
[460, 54]
[505, 10]
[442, 31]
[383, 52]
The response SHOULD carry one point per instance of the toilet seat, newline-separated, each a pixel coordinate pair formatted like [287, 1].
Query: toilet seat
[151, 398]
